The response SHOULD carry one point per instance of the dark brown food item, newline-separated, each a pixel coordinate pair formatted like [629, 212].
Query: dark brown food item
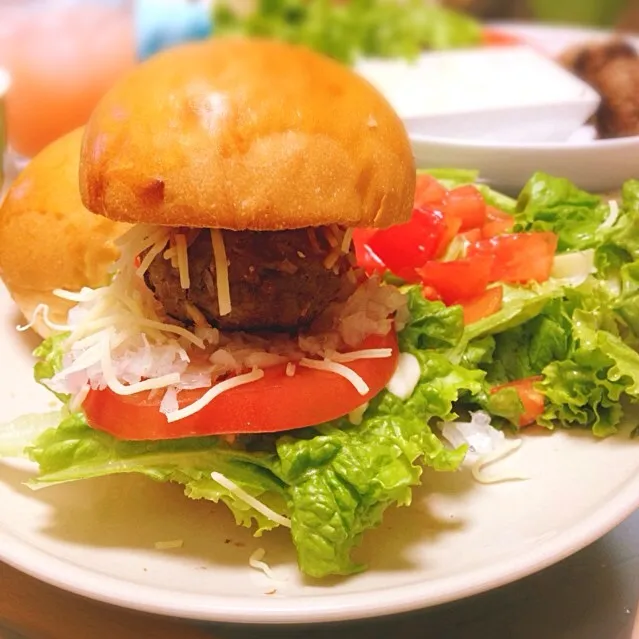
[612, 69]
[279, 280]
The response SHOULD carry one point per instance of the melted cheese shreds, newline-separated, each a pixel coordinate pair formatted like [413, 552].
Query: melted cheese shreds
[506, 449]
[213, 392]
[221, 272]
[121, 389]
[339, 369]
[251, 501]
[290, 369]
[84, 295]
[256, 561]
[346, 240]
[182, 260]
[154, 251]
[76, 403]
[42, 309]
[367, 353]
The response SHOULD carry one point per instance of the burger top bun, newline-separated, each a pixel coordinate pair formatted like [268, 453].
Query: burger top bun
[246, 134]
[48, 240]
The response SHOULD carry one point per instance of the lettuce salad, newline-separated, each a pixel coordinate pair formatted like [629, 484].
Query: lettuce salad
[577, 333]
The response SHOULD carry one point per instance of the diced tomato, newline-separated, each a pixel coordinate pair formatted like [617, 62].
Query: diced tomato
[483, 305]
[474, 235]
[404, 247]
[428, 191]
[497, 222]
[531, 398]
[493, 37]
[274, 403]
[467, 204]
[365, 256]
[519, 257]
[458, 280]
[451, 228]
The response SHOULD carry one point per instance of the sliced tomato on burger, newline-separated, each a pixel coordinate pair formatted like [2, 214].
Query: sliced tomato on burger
[519, 257]
[276, 402]
[532, 400]
[459, 279]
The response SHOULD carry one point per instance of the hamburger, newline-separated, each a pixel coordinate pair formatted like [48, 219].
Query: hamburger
[48, 240]
[238, 349]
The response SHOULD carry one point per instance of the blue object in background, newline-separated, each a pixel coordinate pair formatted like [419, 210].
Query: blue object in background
[161, 24]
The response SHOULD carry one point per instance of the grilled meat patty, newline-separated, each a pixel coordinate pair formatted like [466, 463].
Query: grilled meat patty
[279, 280]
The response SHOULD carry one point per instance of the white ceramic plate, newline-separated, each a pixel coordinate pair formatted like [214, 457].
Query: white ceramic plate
[98, 537]
[598, 165]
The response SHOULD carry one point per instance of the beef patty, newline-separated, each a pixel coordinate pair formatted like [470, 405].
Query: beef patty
[279, 280]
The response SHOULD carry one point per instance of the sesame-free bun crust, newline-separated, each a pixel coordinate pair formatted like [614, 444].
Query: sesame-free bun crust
[48, 240]
[246, 134]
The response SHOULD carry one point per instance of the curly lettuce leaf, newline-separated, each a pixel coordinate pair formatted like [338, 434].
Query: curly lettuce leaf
[346, 31]
[333, 481]
[554, 204]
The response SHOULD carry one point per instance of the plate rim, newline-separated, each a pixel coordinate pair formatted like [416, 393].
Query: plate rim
[318, 608]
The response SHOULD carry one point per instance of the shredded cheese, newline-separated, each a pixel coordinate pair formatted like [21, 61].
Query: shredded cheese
[330, 235]
[339, 369]
[331, 259]
[213, 392]
[366, 353]
[251, 501]
[221, 272]
[76, 403]
[503, 451]
[42, 309]
[255, 561]
[346, 240]
[182, 260]
[84, 295]
[121, 389]
[290, 369]
[154, 251]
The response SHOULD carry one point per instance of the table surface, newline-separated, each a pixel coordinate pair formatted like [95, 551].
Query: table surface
[591, 595]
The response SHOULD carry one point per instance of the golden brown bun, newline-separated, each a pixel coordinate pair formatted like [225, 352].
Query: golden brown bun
[246, 134]
[48, 239]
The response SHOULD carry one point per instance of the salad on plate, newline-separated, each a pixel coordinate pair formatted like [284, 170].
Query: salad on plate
[519, 312]
[306, 333]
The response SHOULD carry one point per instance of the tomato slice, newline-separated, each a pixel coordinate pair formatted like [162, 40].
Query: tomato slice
[459, 279]
[274, 403]
[404, 247]
[497, 222]
[364, 255]
[483, 305]
[532, 400]
[428, 191]
[467, 204]
[519, 257]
